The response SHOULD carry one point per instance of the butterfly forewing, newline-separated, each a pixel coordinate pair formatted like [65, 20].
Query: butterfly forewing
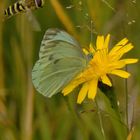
[60, 60]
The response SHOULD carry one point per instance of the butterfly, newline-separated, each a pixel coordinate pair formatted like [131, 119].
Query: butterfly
[60, 59]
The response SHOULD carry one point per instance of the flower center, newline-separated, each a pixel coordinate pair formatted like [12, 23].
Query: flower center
[98, 65]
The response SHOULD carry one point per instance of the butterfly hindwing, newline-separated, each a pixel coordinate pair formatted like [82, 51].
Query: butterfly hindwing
[60, 60]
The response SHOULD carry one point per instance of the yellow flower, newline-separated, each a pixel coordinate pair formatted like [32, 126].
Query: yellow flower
[104, 62]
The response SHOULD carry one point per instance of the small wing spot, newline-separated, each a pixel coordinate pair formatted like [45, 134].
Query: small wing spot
[56, 61]
[50, 57]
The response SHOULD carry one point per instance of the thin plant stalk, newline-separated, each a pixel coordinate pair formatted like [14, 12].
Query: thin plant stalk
[126, 103]
[100, 119]
[1, 52]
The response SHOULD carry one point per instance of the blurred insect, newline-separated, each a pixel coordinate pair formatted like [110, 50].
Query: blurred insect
[60, 59]
[22, 6]
[25, 6]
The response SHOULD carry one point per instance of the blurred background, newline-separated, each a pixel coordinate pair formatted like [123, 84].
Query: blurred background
[26, 114]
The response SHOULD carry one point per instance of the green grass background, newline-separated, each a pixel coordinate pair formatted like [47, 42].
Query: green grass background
[26, 114]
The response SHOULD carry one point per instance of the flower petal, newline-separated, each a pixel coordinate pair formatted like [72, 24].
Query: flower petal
[106, 80]
[91, 48]
[120, 73]
[82, 93]
[106, 43]
[122, 42]
[116, 65]
[120, 52]
[85, 51]
[129, 61]
[114, 50]
[100, 42]
[126, 48]
[118, 46]
[70, 87]
[121, 63]
[92, 88]
[73, 84]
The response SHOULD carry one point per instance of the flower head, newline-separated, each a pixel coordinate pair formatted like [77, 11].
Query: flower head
[103, 63]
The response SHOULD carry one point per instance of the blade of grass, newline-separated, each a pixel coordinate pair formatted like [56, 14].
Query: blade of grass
[28, 105]
[126, 104]
[1, 53]
[42, 120]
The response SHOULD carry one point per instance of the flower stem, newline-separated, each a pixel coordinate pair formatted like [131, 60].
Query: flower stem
[126, 103]
[78, 120]
[100, 119]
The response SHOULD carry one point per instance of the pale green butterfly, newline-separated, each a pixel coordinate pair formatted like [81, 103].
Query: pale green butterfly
[60, 59]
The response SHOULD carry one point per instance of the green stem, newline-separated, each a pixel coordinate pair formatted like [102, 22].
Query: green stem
[100, 119]
[126, 103]
[76, 117]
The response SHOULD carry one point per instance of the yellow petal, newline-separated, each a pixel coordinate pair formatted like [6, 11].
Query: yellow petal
[82, 93]
[120, 52]
[92, 88]
[116, 65]
[85, 51]
[130, 61]
[106, 80]
[122, 42]
[118, 46]
[126, 48]
[121, 63]
[70, 87]
[120, 73]
[91, 48]
[107, 39]
[114, 50]
[100, 42]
